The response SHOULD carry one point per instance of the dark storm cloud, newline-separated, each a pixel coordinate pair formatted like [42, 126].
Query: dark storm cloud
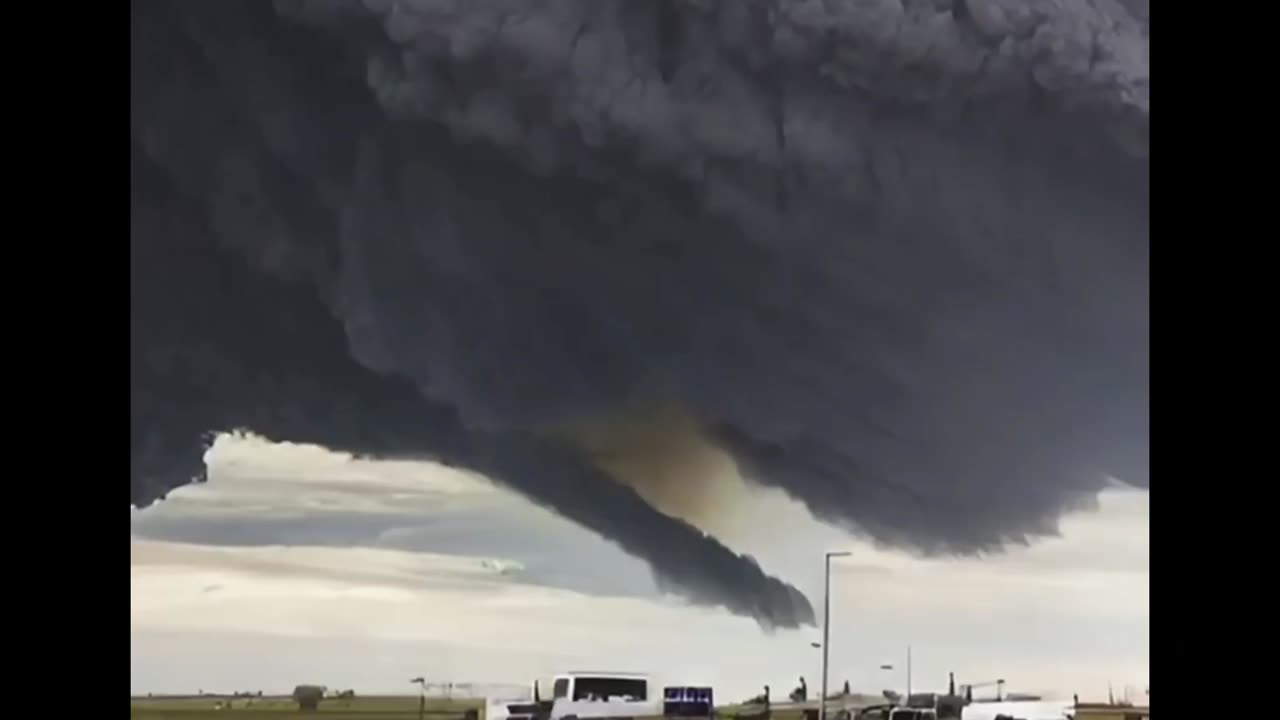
[891, 254]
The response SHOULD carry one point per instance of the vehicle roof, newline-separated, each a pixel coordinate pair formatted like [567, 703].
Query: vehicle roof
[604, 673]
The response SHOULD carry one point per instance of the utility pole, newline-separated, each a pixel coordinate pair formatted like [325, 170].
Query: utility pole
[908, 672]
[826, 630]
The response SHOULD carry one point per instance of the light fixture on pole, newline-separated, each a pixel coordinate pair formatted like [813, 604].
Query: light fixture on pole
[826, 630]
[422, 696]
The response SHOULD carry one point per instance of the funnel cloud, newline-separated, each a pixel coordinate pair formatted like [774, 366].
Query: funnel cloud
[890, 257]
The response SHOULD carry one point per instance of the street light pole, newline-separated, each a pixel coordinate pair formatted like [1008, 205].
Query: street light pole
[826, 630]
[908, 672]
[421, 682]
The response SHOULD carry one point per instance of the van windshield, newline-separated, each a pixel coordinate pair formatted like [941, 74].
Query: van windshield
[561, 688]
[607, 688]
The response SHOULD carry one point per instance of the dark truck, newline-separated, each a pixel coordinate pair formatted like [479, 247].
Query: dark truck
[688, 702]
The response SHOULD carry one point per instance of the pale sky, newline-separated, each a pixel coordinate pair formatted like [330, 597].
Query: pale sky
[298, 565]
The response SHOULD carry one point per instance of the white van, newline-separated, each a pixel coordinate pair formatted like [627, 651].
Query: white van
[586, 695]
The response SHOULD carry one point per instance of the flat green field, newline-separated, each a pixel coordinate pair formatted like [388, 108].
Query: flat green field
[361, 708]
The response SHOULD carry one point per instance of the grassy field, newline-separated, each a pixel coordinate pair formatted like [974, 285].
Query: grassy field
[360, 708]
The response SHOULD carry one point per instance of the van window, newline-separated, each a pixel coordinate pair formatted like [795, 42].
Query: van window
[561, 688]
[607, 688]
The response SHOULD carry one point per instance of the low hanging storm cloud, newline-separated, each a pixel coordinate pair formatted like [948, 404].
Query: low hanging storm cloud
[889, 256]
